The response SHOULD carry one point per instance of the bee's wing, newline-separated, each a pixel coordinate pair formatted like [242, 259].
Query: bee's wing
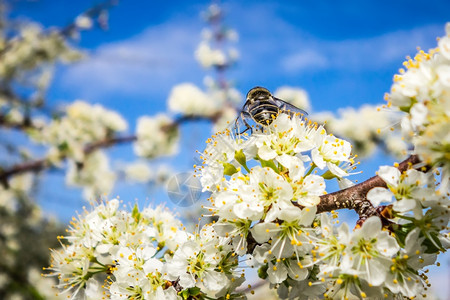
[289, 108]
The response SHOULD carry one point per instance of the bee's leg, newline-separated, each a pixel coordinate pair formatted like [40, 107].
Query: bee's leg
[245, 114]
[236, 123]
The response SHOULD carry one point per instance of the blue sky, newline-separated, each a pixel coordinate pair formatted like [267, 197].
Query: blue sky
[341, 53]
[344, 53]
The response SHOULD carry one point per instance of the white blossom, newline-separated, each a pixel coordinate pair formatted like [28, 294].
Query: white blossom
[138, 171]
[189, 100]
[156, 136]
[369, 252]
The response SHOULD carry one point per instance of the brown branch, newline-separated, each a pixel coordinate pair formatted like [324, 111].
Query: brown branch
[352, 197]
[186, 118]
[106, 143]
[40, 164]
[26, 123]
[355, 197]
[68, 30]
[29, 166]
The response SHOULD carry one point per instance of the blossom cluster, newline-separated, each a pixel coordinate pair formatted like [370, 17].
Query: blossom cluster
[214, 103]
[28, 55]
[266, 190]
[82, 125]
[156, 136]
[270, 209]
[375, 127]
[69, 137]
[20, 54]
[208, 54]
[116, 254]
[422, 91]
[295, 96]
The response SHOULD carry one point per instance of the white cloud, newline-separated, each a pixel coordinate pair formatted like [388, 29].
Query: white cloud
[270, 42]
[306, 59]
[148, 65]
[145, 65]
[378, 51]
[358, 54]
[353, 55]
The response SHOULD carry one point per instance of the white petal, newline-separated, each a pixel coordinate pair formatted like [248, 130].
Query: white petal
[262, 232]
[297, 273]
[376, 272]
[405, 205]
[345, 183]
[307, 215]
[378, 195]
[277, 273]
[336, 170]
[261, 253]
[387, 245]
[290, 214]
[215, 281]
[443, 73]
[390, 175]
[187, 280]
[371, 227]
[318, 159]
[266, 153]
[418, 114]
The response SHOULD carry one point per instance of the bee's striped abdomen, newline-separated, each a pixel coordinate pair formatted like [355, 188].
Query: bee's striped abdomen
[264, 112]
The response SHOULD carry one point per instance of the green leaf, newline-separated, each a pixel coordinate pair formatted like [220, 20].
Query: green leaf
[64, 146]
[229, 169]
[185, 294]
[405, 109]
[433, 246]
[241, 159]
[135, 213]
[262, 272]
[194, 291]
[268, 164]
[328, 175]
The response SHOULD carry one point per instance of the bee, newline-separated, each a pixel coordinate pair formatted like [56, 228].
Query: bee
[262, 107]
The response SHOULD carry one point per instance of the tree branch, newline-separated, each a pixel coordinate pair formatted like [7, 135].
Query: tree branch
[29, 166]
[40, 164]
[26, 123]
[108, 143]
[353, 197]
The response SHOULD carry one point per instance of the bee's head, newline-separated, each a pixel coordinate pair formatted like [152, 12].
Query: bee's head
[258, 93]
